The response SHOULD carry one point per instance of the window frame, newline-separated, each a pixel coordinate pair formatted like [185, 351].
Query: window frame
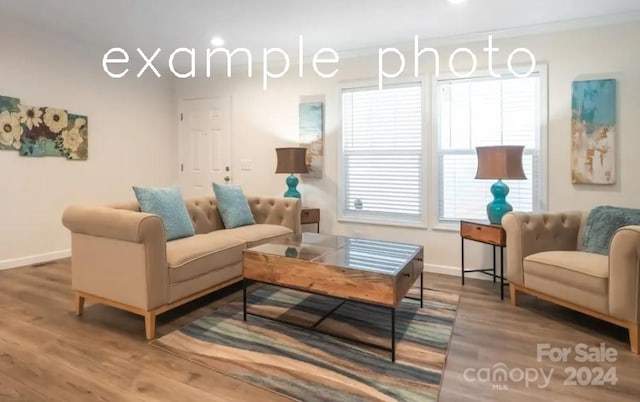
[341, 214]
[541, 204]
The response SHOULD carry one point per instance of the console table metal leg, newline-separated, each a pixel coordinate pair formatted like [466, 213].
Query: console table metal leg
[494, 264]
[393, 335]
[462, 258]
[501, 273]
[244, 299]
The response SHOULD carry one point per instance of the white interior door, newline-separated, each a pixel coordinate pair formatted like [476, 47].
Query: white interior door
[205, 144]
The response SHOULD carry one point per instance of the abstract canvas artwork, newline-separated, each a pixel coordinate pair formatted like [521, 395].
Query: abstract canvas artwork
[311, 136]
[42, 131]
[593, 132]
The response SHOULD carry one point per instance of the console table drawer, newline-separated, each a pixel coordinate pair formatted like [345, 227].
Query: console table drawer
[310, 215]
[483, 233]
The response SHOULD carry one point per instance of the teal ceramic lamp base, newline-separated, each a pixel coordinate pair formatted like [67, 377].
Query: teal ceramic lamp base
[292, 183]
[499, 206]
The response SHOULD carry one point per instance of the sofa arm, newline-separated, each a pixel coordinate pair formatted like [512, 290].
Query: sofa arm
[118, 255]
[624, 274]
[277, 211]
[112, 223]
[530, 233]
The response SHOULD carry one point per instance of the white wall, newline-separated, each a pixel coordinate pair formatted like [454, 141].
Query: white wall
[132, 140]
[264, 120]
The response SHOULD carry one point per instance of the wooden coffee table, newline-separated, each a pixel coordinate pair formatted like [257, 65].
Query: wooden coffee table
[368, 271]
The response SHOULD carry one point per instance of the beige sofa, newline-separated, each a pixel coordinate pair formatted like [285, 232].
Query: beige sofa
[120, 256]
[545, 259]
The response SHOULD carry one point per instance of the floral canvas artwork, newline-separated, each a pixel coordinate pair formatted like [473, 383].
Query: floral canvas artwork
[42, 131]
[55, 132]
[10, 127]
[593, 131]
[311, 136]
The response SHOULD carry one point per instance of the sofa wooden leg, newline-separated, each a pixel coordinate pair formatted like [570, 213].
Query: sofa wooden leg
[634, 338]
[513, 295]
[150, 324]
[79, 303]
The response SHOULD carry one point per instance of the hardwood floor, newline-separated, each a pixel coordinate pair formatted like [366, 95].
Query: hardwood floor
[49, 354]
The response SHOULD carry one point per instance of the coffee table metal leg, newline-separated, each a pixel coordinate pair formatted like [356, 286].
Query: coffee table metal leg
[244, 299]
[393, 335]
[421, 288]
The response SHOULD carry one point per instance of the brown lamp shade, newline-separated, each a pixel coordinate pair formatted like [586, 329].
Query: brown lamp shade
[500, 162]
[292, 160]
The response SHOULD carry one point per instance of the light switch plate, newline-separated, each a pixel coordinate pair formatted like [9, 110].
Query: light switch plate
[246, 164]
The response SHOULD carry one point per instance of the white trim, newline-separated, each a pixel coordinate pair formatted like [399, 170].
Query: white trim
[451, 40]
[382, 222]
[529, 30]
[447, 227]
[433, 172]
[34, 259]
[453, 271]
[543, 71]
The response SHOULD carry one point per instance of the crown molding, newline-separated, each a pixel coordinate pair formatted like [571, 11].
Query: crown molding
[514, 32]
[453, 40]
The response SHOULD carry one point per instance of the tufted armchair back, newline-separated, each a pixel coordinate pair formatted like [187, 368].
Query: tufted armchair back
[206, 217]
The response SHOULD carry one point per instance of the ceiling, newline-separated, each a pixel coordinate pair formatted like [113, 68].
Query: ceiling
[256, 24]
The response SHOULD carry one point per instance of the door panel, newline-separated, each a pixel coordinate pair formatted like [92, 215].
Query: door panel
[205, 144]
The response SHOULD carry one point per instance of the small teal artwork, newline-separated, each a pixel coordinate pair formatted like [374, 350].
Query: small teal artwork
[311, 127]
[42, 131]
[593, 132]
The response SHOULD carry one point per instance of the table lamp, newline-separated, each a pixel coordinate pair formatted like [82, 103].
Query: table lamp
[292, 160]
[500, 162]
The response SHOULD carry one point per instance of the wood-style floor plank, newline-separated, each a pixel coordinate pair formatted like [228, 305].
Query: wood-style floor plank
[47, 353]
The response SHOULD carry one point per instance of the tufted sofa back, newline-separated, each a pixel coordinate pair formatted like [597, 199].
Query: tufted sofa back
[276, 211]
[204, 214]
[206, 217]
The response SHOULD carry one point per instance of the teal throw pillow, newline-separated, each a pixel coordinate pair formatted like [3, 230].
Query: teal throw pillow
[602, 224]
[233, 206]
[168, 204]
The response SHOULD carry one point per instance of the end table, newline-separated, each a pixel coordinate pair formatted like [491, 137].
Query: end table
[487, 233]
[310, 216]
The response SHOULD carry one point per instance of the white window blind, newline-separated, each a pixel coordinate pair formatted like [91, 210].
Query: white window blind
[480, 112]
[382, 154]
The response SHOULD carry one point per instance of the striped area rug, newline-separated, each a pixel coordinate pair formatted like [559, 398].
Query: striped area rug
[309, 366]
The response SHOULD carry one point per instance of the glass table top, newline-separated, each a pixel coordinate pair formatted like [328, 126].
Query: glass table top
[346, 252]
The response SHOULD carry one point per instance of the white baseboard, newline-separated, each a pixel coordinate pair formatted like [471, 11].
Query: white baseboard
[34, 259]
[57, 255]
[453, 271]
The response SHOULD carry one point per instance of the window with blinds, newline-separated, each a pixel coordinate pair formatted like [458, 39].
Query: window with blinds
[479, 112]
[382, 154]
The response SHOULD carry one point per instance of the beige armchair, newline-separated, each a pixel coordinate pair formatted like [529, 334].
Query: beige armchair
[545, 259]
